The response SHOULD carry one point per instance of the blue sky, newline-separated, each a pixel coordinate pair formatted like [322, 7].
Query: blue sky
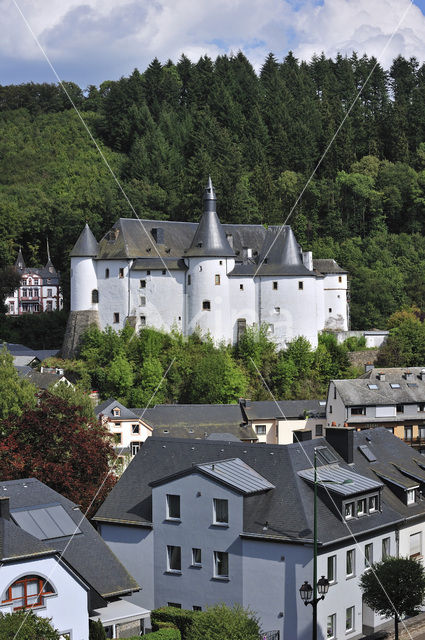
[89, 41]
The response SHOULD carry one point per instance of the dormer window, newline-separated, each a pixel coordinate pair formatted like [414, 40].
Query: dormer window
[394, 385]
[349, 510]
[400, 408]
[116, 412]
[410, 496]
[358, 411]
[373, 504]
[361, 507]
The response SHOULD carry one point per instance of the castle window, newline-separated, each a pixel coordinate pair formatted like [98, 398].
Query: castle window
[275, 285]
[339, 278]
[121, 272]
[95, 296]
[106, 273]
[217, 278]
[148, 272]
[142, 301]
[142, 284]
[116, 317]
[206, 305]
[200, 268]
[241, 287]
[189, 280]
[164, 272]
[142, 321]
[221, 262]
[277, 309]
[300, 285]
[330, 310]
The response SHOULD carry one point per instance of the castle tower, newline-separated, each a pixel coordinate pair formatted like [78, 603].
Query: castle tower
[209, 259]
[84, 292]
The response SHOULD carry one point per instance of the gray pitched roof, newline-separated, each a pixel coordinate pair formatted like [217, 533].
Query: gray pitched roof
[340, 480]
[15, 543]
[86, 245]
[357, 391]
[196, 420]
[287, 509]
[326, 265]
[290, 409]
[42, 380]
[106, 408]
[86, 552]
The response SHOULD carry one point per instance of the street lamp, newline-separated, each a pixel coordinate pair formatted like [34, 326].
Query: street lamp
[309, 593]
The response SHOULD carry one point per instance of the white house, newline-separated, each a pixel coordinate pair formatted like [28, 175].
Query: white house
[201, 521]
[54, 562]
[38, 291]
[212, 277]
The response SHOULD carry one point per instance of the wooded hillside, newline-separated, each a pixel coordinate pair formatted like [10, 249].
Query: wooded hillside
[259, 136]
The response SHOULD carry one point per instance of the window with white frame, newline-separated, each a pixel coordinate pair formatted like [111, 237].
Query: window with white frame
[220, 511]
[373, 504]
[368, 554]
[134, 448]
[196, 557]
[415, 545]
[350, 563]
[174, 558]
[221, 564]
[331, 627]
[386, 548]
[410, 496]
[361, 507]
[349, 510]
[173, 507]
[349, 619]
[260, 429]
[331, 569]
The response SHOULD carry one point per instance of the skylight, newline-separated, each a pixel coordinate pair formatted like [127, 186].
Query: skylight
[367, 452]
[325, 455]
[373, 386]
[51, 521]
[412, 384]
[394, 385]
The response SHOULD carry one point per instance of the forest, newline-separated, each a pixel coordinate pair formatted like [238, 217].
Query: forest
[260, 136]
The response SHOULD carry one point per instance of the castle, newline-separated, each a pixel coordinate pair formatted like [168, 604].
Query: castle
[207, 276]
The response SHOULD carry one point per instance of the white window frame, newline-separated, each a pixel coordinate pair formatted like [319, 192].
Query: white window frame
[218, 502]
[219, 557]
[375, 500]
[263, 428]
[386, 553]
[368, 561]
[196, 563]
[331, 562]
[170, 507]
[170, 559]
[332, 620]
[410, 496]
[352, 510]
[361, 508]
[349, 614]
[351, 553]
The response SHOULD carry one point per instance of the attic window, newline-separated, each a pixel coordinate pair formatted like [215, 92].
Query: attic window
[394, 385]
[116, 412]
[412, 384]
[410, 496]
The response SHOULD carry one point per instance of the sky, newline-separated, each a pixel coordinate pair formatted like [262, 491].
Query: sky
[89, 41]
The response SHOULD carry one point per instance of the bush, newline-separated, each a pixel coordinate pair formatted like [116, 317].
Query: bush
[163, 634]
[29, 626]
[225, 623]
[180, 618]
[96, 630]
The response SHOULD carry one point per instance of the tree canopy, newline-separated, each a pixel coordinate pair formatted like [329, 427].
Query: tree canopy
[28, 624]
[15, 393]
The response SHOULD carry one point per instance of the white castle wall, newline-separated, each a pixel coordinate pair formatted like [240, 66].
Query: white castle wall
[113, 292]
[83, 281]
[242, 303]
[335, 301]
[291, 311]
[164, 298]
[202, 272]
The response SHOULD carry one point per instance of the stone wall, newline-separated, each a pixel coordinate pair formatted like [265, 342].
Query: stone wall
[78, 323]
[362, 358]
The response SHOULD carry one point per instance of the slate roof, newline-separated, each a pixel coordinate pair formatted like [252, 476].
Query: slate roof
[391, 454]
[106, 408]
[86, 552]
[288, 509]
[357, 392]
[196, 420]
[15, 543]
[86, 245]
[290, 409]
[340, 480]
[42, 380]
[21, 351]
[325, 265]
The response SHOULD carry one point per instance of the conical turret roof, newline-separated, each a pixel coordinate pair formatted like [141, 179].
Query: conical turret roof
[20, 262]
[49, 264]
[86, 245]
[281, 253]
[210, 237]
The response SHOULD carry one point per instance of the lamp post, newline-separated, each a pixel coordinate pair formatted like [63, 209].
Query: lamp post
[309, 593]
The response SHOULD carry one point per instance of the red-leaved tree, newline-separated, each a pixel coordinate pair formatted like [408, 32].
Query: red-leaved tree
[56, 444]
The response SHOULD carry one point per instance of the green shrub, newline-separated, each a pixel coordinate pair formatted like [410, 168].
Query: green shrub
[163, 634]
[96, 630]
[180, 618]
[355, 343]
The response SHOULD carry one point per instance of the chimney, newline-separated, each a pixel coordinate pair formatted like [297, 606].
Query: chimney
[4, 507]
[381, 376]
[422, 374]
[301, 435]
[342, 440]
[368, 367]
[408, 375]
[158, 235]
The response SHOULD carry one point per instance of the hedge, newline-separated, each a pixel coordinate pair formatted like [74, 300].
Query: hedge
[163, 634]
[181, 618]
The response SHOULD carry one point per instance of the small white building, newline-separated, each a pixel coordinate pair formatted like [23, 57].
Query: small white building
[39, 290]
[209, 277]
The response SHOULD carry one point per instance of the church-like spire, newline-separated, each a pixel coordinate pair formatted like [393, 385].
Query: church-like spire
[49, 264]
[20, 263]
[210, 237]
[86, 245]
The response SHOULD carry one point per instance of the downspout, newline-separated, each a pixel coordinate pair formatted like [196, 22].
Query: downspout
[259, 302]
[130, 264]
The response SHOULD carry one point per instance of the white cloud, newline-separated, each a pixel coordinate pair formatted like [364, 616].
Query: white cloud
[89, 41]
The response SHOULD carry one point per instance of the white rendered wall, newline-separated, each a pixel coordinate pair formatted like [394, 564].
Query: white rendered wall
[68, 608]
[164, 298]
[242, 303]
[125, 429]
[113, 292]
[83, 281]
[202, 272]
[339, 411]
[335, 302]
[299, 308]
